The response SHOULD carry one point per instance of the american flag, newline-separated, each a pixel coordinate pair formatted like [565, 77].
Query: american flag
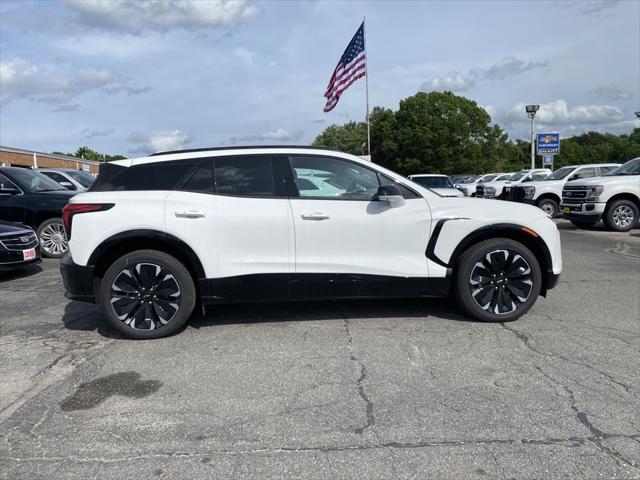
[351, 67]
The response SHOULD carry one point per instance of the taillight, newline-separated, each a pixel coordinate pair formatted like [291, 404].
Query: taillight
[72, 209]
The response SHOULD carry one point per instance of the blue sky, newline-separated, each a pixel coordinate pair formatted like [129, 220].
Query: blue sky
[133, 77]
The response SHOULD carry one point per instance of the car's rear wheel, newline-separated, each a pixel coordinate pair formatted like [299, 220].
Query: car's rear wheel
[497, 280]
[621, 215]
[147, 294]
[580, 224]
[53, 238]
[549, 206]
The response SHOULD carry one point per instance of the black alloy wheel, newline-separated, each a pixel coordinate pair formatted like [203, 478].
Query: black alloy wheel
[501, 281]
[497, 280]
[147, 294]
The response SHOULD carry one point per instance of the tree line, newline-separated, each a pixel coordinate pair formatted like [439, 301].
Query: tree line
[439, 132]
[88, 154]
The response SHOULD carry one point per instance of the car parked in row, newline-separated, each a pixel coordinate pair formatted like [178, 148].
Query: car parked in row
[159, 235]
[30, 198]
[441, 184]
[614, 198]
[69, 178]
[500, 187]
[19, 246]
[547, 193]
[468, 188]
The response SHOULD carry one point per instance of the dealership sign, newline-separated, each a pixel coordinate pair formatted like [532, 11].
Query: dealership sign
[548, 143]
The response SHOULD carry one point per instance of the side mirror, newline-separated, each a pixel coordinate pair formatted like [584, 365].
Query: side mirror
[391, 194]
[68, 185]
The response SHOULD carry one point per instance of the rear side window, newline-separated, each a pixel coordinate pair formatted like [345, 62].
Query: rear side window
[246, 175]
[148, 176]
[201, 179]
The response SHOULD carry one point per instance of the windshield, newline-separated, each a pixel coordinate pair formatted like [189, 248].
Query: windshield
[518, 175]
[488, 178]
[35, 181]
[434, 182]
[560, 173]
[632, 167]
[503, 177]
[83, 178]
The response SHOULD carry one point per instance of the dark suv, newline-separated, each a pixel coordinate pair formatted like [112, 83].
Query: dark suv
[32, 199]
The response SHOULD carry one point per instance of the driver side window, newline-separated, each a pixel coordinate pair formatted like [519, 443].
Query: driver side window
[333, 178]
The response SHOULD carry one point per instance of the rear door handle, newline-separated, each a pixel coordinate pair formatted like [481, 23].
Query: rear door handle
[190, 214]
[315, 216]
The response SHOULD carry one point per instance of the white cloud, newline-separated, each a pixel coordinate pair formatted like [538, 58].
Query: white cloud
[158, 141]
[506, 67]
[67, 107]
[559, 112]
[279, 135]
[22, 79]
[138, 15]
[454, 81]
[598, 7]
[87, 133]
[611, 92]
[245, 55]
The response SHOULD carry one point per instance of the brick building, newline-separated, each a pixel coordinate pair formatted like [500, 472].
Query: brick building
[17, 157]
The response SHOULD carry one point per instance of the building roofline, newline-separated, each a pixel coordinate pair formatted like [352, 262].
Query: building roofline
[238, 147]
[51, 155]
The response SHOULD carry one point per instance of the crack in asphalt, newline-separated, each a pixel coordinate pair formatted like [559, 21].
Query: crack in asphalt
[597, 436]
[569, 442]
[524, 338]
[369, 417]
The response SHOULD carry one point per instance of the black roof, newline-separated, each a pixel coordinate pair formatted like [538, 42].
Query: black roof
[235, 147]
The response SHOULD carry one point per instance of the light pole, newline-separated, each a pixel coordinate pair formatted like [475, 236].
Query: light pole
[531, 113]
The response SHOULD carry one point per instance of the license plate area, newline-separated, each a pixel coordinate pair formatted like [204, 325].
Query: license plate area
[29, 254]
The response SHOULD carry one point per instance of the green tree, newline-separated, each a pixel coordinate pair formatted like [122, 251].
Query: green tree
[349, 138]
[89, 154]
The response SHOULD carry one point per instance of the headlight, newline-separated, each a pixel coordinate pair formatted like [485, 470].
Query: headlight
[594, 192]
[529, 192]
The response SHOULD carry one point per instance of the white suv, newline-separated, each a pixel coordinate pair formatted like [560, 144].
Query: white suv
[547, 193]
[498, 187]
[614, 198]
[156, 236]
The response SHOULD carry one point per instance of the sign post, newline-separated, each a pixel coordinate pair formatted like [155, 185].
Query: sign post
[548, 145]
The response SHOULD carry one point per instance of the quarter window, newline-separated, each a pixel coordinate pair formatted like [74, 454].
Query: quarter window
[246, 175]
[148, 176]
[327, 177]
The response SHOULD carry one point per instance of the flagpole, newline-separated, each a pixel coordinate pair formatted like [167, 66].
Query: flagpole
[366, 81]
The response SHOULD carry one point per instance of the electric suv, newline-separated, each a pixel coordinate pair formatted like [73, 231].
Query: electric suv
[157, 236]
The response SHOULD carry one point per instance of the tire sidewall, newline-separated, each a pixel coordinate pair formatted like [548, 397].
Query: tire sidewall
[609, 215]
[180, 273]
[550, 201]
[468, 260]
[50, 221]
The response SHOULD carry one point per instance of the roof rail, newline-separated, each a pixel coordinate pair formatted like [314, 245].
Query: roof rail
[236, 147]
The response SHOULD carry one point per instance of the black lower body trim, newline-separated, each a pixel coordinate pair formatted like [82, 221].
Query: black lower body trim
[316, 286]
[582, 218]
[78, 280]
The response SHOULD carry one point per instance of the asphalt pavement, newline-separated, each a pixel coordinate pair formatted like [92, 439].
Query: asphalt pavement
[350, 389]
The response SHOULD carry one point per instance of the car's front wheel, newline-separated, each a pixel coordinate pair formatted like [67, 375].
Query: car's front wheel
[497, 280]
[549, 206]
[147, 294]
[53, 238]
[621, 215]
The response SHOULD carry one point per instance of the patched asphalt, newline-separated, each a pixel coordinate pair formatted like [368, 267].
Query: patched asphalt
[362, 389]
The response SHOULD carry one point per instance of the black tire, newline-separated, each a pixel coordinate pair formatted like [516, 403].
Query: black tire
[580, 224]
[483, 263]
[53, 238]
[135, 281]
[621, 216]
[549, 205]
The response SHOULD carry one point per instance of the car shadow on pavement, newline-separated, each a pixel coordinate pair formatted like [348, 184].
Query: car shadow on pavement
[88, 317]
[441, 308]
[19, 273]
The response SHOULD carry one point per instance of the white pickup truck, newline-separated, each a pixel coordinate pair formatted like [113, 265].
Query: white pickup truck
[547, 193]
[495, 188]
[469, 188]
[614, 198]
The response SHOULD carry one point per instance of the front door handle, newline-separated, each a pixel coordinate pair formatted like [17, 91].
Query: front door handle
[190, 214]
[315, 216]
